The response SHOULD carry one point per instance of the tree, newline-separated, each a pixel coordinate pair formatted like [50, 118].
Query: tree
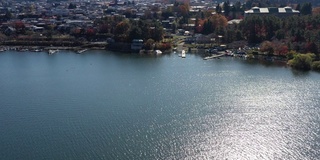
[183, 10]
[311, 47]
[237, 6]
[226, 8]
[122, 27]
[166, 13]
[213, 22]
[298, 7]
[283, 50]
[279, 48]
[72, 6]
[128, 13]
[316, 11]
[316, 65]
[121, 31]
[306, 9]
[248, 4]
[207, 27]
[199, 25]
[20, 27]
[259, 28]
[156, 32]
[239, 35]
[267, 46]
[8, 15]
[280, 34]
[253, 29]
[104, 28]
[90, 32]
[149, 44]
[302, 61]
[221, 32]
[135, 33]
[218, 21]
[218, 9]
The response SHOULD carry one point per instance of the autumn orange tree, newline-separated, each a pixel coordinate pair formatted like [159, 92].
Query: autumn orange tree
[213, 22]
[267, 47]
[19, 26]
[183, 9]
[316, 11]
[122, 30]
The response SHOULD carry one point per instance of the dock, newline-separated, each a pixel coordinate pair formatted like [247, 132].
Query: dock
[214, 56]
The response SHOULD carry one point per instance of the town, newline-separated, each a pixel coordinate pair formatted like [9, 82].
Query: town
[252, 27]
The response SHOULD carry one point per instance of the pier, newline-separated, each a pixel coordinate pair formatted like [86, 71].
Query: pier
[214, 56]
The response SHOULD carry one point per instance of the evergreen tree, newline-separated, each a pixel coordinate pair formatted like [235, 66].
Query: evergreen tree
[72, 6]
[226, 8]
[298, 7]
[306, 9]
[218, 9]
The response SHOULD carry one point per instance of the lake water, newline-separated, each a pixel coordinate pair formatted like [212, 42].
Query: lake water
[102, 105]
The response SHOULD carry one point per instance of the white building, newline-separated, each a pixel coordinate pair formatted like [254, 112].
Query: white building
[279, 12]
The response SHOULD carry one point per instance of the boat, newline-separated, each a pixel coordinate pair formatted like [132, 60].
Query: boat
[23, 49]
[183, 54]
[52, 51]
[36, 50]
[157, 52]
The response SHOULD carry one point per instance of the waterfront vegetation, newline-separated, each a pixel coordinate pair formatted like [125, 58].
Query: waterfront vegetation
[303, 61]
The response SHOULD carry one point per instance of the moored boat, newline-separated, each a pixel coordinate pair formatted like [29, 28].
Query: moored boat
[158, 52]
[183, 54]
[52, 51]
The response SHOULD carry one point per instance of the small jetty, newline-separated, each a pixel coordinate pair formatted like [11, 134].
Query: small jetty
[81, 51]
[214, 56]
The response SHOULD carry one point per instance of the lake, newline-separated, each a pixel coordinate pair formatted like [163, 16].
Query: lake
[106, 105]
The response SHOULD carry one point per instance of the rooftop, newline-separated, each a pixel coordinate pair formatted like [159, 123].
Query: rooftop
[271, 10]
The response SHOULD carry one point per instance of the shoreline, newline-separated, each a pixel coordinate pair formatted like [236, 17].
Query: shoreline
[261, 59]
[21, 48]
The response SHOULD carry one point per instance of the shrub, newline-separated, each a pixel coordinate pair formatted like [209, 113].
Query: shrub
[291, 54]
[301, 61]
[316, 65]
[250, 56]
[149, 44]
[163, 46]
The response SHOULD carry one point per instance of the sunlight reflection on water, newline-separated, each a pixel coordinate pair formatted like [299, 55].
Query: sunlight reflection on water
[260, 119]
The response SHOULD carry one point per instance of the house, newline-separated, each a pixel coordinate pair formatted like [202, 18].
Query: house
[233, 23]
[37, 29]
[136, 44]
[279, 12]
[9, 31]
